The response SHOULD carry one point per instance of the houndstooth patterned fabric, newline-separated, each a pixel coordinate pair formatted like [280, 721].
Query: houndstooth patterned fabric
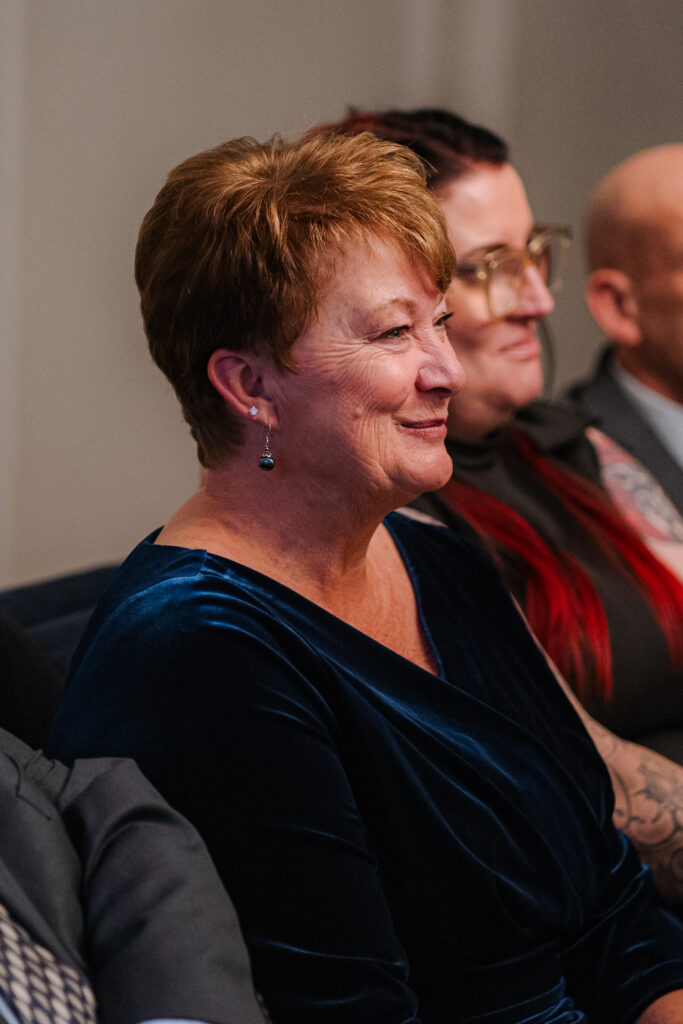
[39, 989]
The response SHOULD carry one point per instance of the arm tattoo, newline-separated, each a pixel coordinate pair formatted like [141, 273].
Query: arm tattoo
[648, 794]
[635, 492]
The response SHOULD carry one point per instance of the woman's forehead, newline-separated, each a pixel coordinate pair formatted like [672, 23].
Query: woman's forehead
[487, 206]
[374, 272]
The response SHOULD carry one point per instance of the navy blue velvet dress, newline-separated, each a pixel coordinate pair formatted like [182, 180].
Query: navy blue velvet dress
[400, 847]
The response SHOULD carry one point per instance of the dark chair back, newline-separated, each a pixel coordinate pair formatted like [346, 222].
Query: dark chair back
[40, 626]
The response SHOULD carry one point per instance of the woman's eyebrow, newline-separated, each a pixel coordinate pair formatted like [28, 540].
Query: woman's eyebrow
[391, 305]
[482, 250]
[367, 320]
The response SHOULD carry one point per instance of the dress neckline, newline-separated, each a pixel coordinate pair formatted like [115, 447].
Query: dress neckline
[300, 607]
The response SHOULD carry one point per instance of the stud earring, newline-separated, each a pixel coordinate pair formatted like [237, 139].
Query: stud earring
[267, 461]
[253, 410]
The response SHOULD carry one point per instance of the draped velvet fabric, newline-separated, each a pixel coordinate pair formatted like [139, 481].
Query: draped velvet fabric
[400, 846]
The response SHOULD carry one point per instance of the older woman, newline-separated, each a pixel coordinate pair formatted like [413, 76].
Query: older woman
[412, 822]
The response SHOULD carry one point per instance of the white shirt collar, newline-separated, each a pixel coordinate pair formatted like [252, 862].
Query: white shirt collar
[663, 415]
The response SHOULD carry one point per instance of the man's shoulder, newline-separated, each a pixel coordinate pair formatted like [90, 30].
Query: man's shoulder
[623, 419]
[600, 394]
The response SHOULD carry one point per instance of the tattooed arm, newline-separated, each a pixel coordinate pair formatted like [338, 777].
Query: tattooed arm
[648, 799]
[648, 804]
[648, 795]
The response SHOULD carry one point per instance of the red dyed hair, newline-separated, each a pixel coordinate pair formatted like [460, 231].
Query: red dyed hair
[561, 603]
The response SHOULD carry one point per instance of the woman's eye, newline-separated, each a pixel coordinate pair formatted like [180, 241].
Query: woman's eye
[443, 320]
[395, 332]
[466, 272]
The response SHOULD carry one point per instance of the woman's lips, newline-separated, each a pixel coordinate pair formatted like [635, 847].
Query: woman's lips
[528, 347]
[434, 428]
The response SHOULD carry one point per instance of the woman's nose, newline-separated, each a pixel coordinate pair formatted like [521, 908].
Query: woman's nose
[441, 368]
[535, 300]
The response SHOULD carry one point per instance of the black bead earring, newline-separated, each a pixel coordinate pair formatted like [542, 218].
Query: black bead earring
[267, 461]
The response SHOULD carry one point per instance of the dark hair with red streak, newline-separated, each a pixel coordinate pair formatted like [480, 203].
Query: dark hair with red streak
[561, 602]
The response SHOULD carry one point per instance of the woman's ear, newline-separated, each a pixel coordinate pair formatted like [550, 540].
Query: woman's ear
[612, 300]
[238, 378]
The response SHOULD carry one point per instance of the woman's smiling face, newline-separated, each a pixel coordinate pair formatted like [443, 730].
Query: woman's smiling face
[484, 209]
[365, 410]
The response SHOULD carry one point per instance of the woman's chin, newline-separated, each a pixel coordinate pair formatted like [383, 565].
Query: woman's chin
[444, 475]
[429, 479]
[530, 386]
[475, 418]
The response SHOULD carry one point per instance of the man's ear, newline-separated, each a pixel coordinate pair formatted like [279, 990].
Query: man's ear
[238, 378]
[612, 300]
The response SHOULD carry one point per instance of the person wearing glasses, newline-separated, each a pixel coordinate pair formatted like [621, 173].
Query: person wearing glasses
[527, 473]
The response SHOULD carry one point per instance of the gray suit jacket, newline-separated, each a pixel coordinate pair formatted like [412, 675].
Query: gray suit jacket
[601, 395]
[97, 867]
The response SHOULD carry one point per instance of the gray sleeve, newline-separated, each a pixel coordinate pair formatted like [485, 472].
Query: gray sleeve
[163, 938]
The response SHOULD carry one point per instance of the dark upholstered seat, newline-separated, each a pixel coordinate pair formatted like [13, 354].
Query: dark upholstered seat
[54, 612]
[40, 626]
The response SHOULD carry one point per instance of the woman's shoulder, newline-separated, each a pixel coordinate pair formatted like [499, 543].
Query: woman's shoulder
[155, 576]
[179, 627]
[170, 603]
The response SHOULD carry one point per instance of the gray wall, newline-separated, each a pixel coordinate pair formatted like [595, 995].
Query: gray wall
[98, 100]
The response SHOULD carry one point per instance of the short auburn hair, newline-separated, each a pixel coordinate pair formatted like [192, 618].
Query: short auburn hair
[231, 254]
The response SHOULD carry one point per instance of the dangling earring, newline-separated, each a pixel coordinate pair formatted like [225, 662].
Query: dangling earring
[267, 461]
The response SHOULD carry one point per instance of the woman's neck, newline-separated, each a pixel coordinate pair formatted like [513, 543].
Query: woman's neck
[332, 551]
[479, 423]
[308, 539]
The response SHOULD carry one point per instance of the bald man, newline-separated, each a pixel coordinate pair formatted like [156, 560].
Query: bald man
[635, 293]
